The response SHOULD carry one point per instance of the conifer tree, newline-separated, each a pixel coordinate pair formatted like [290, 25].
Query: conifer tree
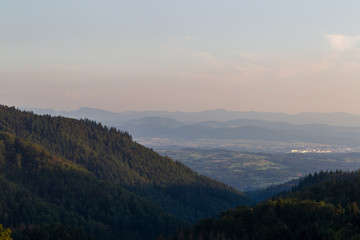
[5, 233]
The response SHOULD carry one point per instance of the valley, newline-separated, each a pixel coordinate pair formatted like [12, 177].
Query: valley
[248, 171]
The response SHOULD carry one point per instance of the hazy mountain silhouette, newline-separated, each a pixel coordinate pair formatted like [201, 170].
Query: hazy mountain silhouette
[340, 129]
[219, 115]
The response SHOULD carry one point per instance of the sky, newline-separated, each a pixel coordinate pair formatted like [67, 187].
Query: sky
[185, 55]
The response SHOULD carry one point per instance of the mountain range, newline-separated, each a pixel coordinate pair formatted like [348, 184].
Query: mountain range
[227, 128]
[218, 115]
[155, 127]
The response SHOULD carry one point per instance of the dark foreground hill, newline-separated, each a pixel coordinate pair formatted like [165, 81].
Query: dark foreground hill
[97, 165]
[37, 187]
[323, 206]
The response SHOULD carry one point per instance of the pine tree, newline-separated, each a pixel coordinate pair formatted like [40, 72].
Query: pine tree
[5, 233]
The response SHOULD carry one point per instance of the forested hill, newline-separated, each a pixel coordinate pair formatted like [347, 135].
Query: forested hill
[324, 205]
[114, 157]
[38, 189]
[336, 187]
[302, 186]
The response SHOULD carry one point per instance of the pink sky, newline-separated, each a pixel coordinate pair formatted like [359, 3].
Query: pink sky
[283, 56]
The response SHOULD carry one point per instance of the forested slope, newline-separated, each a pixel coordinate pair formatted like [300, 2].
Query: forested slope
[324, 205]
[110, 160]
[336, 187]
[37, 187]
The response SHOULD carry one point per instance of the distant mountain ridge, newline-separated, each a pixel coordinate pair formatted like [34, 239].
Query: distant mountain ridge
[337, 131]
[219, 115]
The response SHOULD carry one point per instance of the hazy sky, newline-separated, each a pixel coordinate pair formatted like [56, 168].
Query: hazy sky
[259, 55]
